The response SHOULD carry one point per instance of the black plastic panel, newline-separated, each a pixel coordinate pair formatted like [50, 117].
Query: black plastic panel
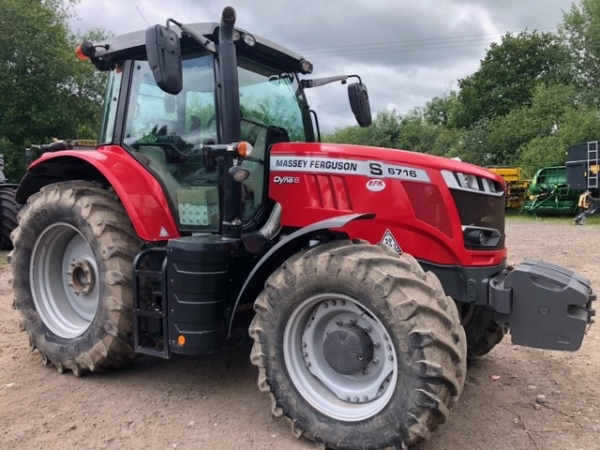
[199, 270]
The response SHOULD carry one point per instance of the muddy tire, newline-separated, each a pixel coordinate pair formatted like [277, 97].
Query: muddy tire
[72, 268]
[358, 347]
[8, 216]
[483, 332]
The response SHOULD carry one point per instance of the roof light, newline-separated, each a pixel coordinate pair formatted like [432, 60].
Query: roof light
[306, 67]
[249, 40]
[85, 50]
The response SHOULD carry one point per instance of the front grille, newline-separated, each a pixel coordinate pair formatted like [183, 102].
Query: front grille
[481, 210]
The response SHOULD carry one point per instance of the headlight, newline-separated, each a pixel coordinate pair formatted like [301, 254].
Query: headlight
[472, 183]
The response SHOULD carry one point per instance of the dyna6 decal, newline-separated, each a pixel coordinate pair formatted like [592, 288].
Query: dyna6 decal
[373, 169]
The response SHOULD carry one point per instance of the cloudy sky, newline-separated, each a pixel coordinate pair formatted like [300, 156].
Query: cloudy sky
[407, 52]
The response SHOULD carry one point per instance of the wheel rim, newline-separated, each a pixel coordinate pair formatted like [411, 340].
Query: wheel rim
[342, 396]
[63, 278]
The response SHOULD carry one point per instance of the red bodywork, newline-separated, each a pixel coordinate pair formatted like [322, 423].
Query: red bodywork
[137, 188]
[419, 214]
[417, 210]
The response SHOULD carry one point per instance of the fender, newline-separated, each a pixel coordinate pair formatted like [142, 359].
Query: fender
[141, 194]
[285, 248]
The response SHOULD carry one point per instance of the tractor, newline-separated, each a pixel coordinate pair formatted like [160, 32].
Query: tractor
[210, 210]
[9, 208]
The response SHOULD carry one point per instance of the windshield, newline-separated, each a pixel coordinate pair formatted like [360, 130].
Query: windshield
[167, 134]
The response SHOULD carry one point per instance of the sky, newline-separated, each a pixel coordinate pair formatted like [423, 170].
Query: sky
[406, 52]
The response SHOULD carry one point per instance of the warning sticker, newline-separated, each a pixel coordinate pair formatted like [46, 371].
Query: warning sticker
[389, 240]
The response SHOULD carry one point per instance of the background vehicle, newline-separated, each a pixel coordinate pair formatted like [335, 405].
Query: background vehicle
[583, 168]
[8, 209]
[517, 182]
[209, 205]
[549, 193]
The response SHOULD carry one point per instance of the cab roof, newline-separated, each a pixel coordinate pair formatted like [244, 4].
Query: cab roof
[132, 45]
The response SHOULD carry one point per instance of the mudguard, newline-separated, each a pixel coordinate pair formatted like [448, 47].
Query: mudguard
[546, 306]
[284, 249]
[141, 194]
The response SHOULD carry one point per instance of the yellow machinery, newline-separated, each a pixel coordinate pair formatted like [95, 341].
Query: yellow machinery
[517, 183]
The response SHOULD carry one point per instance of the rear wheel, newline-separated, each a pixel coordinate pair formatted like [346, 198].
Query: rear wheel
[483, 330]
[72, 266]
[358, 347]
[8, 216]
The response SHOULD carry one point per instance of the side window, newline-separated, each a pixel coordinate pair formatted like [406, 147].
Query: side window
[110, 107]
[166, 133]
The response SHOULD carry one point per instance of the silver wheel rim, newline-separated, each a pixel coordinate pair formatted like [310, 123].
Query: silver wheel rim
[343, 397]
[64, 280]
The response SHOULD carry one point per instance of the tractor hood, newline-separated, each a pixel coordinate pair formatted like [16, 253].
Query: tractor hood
[375, 158]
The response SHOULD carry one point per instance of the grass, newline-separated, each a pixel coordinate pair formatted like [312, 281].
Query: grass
[516, 215]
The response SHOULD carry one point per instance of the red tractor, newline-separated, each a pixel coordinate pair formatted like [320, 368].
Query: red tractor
[367, 276]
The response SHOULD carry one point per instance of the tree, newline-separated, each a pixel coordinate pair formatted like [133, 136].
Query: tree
[509, 74]
[45, 91]
[581, 33]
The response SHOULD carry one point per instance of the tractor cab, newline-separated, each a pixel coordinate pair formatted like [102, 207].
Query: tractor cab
[229, 86]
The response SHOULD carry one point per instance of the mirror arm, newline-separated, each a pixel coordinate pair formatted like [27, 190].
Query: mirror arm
[203, 41]
[322, 81]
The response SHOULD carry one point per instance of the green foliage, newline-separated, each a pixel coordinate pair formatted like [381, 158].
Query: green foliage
[45, 91]
[509, 74]
[581, 33]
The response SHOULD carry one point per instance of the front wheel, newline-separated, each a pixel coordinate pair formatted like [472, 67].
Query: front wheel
[72, 268]
[358, 347]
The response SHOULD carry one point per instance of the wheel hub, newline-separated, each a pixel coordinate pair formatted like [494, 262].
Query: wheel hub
[348, 350]
[81, 277]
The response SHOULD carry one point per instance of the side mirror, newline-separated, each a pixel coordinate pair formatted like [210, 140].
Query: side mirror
[359, 102]
[164, 58]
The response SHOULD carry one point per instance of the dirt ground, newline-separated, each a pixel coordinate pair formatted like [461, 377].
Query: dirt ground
[212, 402]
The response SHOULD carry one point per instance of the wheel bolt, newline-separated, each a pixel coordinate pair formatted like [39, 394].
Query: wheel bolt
[342, 302]
[368, 328]
[347, 399]
[386, 337]
[333, 302]
[376, 344]
[328, 332]
[375, 360]
[389, 347]
[86, 271]
[304, 345]
[366, 371]
[352, 321]
[326, 305]
[365, 398]
[305, 355]
[308, 364]
[70, 284]
[391, 358]
[356, 399]
[339, 322]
